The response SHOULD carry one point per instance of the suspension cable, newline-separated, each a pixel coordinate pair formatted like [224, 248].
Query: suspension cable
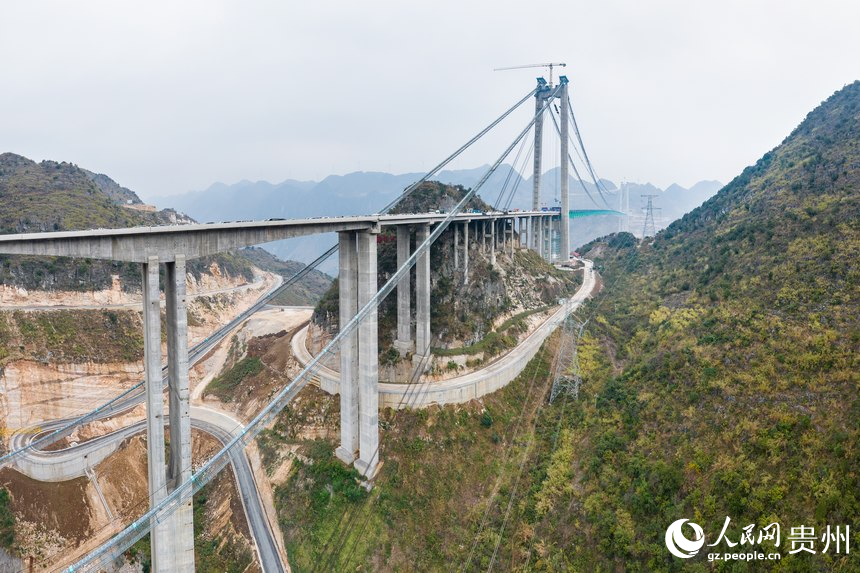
[582, 146]
[516, 160]
[575, 170]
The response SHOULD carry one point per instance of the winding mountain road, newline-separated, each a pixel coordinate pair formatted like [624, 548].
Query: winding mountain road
[74, 461]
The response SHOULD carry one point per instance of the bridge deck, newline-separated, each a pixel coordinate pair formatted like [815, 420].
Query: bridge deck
[137, 244]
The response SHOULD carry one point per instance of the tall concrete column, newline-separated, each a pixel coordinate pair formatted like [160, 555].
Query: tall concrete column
[348, 302]
[522, 227]
[156, 471]
[493, 242]
[564, 222]
[181, 522]
[404, 343]
[511, 231]
[368, 356]
[547, 231]
[484, 236]
[422, 294]
[466, 252]
[456, 231]
[539, 235]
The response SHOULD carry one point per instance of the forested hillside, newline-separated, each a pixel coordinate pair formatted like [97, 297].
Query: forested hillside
[724, 381]
[50, 196]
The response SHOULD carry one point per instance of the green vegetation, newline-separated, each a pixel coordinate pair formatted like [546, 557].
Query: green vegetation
[226, 385]
[432, 195]
[51, 196]
[498, 340]
[7, 520]
[439, 466]
[721, 370]
[71, 336]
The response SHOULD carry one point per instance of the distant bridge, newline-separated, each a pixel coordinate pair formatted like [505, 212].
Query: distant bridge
[579, 214]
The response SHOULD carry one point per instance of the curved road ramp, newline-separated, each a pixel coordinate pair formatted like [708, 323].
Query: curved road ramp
[468, 386]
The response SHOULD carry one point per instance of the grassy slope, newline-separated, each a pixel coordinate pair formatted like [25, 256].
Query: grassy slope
[49, 196]
[439, 467]
[71, 336]
[727, 381]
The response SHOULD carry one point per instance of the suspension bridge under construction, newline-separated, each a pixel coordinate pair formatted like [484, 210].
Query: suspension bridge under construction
[171, 479]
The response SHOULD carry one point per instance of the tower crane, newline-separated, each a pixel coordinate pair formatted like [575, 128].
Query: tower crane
[550, 66]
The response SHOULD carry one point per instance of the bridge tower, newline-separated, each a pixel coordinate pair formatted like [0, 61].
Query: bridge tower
[564, 219]
[542, 94]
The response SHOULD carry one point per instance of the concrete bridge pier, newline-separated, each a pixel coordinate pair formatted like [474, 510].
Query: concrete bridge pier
[493, 243]
[510, 223]
[552, 229]
[359, 361]
[466, 252]
[483, 227]
[521, 227]
[173, 538]
[404, 342]
[422, 294]
[456, 231]
[524, 232]
[348, 303]
[368, 359]
[539, 236]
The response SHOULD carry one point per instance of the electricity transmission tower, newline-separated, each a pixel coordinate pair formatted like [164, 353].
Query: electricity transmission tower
[649, 218]
[567, 377]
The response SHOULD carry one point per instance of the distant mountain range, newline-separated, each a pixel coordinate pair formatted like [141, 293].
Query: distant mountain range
[368, 192]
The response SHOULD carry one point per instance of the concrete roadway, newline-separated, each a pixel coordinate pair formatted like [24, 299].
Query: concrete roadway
[74, 460]
[224, 428]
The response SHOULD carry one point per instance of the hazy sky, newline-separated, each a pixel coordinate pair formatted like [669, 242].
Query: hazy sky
[166, 97]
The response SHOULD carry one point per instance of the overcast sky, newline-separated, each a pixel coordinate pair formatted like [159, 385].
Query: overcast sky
[167, 97]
